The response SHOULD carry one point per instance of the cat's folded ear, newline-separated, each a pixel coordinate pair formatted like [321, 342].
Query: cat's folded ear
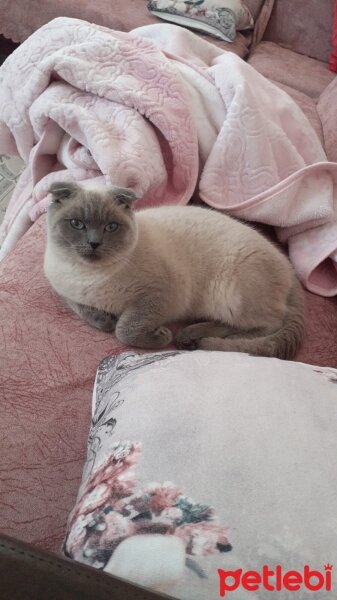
[123, 196]
[61, 190]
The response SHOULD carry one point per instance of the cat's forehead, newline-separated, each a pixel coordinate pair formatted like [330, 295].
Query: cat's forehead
[93, 207]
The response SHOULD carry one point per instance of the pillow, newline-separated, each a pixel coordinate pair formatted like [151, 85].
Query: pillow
[333, 57]
[219, 18]
[204, 469]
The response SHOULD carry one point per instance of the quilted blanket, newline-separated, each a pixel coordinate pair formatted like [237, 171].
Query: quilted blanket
[169, 115]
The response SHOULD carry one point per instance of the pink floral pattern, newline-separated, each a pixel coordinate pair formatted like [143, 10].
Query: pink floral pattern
[113, 507]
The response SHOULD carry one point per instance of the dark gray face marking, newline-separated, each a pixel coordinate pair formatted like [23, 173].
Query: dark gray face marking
[93, 225]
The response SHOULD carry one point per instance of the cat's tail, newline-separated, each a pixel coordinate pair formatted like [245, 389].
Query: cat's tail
[283, 343]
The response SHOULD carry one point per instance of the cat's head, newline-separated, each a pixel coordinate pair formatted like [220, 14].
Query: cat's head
[92, 225]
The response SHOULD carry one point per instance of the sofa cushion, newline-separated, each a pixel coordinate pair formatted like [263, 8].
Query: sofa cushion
[299, 72]
[205, 461]
[304, 26]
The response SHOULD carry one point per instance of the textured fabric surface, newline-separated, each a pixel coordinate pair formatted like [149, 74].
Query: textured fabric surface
[261, 22]
[309, 107]
[19, 20]
[289, 68]
[30, 573]
[235, 470]
[308, 82]
[326, 108]
[48, 358]
[10, 169]
[320, 346]
[304, 26]
[169, 120]
[119, 111]
[255, 7]
[48, 361]
[333, 55]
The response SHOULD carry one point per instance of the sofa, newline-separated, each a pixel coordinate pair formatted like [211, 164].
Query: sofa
[48, 357]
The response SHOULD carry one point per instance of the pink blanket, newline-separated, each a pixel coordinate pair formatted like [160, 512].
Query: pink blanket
[166, 113]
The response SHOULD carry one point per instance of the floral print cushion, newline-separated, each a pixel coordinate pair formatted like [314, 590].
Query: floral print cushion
[219, 18]
[206, 463]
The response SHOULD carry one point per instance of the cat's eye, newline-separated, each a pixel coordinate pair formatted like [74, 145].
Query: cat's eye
[76, 224]
[111, 227]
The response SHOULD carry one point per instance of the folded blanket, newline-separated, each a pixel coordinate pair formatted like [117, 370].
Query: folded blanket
[164, 112]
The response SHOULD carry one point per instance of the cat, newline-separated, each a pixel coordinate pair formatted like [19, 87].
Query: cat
[132, 272]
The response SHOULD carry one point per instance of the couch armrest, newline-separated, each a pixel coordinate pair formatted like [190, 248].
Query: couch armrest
[28, 573]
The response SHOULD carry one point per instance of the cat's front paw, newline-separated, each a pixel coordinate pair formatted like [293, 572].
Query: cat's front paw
[130, 335]
[188, 338]
[105, 322]
[157, 339]
[192, 336]
[162, 337]
[186, 341]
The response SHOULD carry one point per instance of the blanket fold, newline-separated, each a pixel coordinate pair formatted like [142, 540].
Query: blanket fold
[167, 114]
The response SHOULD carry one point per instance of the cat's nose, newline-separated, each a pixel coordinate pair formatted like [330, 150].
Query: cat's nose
[94, 245]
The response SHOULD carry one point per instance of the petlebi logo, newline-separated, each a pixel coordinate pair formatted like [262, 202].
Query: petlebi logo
[275, 580]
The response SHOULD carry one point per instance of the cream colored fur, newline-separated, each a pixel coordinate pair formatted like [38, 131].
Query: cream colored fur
[190, 264]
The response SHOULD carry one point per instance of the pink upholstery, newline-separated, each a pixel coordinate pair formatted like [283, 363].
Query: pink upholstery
[48, 362]
[320, 347]
[46, 392]
[19, 19]
[255, 7]
[304, 26]
[299, 72]
[308, 82]
[261, 22]
[46, 388]
[333, 55]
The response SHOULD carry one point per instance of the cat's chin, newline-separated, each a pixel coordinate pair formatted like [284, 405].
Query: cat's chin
[90, 258]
